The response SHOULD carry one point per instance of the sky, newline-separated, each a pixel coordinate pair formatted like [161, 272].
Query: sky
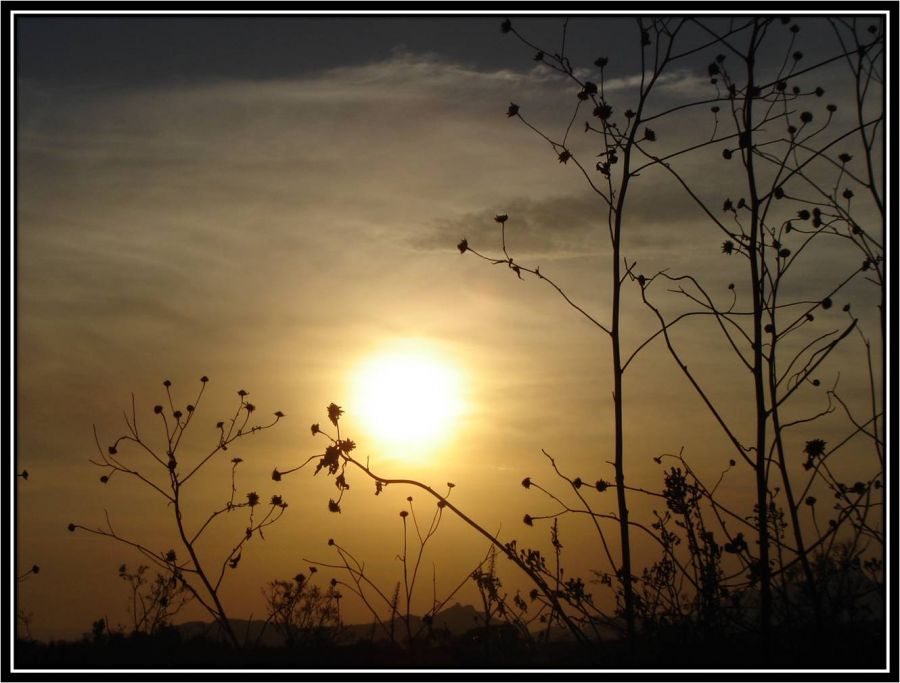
[271, 202]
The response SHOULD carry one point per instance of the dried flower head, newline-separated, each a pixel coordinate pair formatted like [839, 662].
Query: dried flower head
[603, 111]
[815, 448]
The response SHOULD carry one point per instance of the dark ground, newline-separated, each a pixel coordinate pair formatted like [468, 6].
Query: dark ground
[835, 647]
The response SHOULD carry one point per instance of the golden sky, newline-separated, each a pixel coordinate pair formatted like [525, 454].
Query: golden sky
[274, 230]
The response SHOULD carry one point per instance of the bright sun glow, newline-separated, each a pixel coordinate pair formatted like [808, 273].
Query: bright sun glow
[408, 398]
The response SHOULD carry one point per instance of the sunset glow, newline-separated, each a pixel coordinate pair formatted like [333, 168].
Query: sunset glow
[408, 397]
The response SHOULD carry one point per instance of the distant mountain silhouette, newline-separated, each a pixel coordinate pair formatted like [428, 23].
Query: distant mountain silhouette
[455, 621]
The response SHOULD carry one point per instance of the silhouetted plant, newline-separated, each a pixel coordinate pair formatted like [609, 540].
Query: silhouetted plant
[782, 172]
[398, 602]
[497, 606]
[153, 601]
[167, 473]
[23, 617]
[335, 461]
[779, 171]
[301, 612]
[623, 140]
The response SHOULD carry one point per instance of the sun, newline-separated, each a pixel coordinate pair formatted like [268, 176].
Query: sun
[408, 398]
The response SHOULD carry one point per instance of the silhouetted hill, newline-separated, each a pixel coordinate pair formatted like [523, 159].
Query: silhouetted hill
[455, 620]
